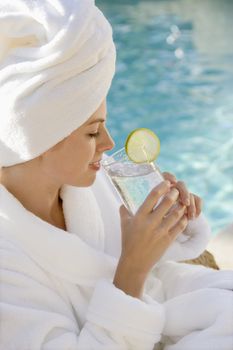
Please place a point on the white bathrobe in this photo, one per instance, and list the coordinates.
(56, 289)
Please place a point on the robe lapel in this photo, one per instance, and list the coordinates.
(66, 255)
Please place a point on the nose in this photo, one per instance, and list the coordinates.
(106, 142)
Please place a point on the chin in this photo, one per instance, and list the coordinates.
(91, 182)
(87, 182)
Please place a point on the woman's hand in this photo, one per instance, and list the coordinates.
(147, 235)
(192, 201)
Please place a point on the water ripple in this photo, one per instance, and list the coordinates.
(175, 76)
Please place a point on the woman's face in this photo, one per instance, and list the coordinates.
(68, 162)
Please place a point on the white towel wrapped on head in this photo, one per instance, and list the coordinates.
(57, 61)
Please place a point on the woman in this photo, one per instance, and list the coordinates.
(68, 280)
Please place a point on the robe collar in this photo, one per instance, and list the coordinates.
(68, 255)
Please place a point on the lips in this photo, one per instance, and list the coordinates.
(97, 161)
(95, 165)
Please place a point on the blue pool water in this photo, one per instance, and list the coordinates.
(175, 76)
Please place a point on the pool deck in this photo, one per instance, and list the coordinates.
(221, 246)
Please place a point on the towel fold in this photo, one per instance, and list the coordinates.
(57, 61)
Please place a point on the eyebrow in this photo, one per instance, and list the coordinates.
(97, 121)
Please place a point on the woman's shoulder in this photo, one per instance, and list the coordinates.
(15, 261)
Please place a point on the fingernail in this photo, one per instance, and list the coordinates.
(174, 190)
(168, 183)
(187, 202)
(181, 205)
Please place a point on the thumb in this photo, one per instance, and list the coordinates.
(124, 213)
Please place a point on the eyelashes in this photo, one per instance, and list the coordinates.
(94, 135)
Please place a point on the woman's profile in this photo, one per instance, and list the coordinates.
(77, 270)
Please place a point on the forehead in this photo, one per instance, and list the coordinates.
(98, 120)
(99, 116)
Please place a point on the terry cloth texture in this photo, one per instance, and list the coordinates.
(57, 290)
(57, 61)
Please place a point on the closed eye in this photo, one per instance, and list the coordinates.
(94, 135)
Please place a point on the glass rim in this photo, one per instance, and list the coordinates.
(111, 158)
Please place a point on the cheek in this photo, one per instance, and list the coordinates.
(73, 164)
(81, 155)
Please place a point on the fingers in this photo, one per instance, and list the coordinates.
(124, 213)
(198, 204)
(153, 198)
(191, 209)
(184, 193)
(165, 205)
(170, 177)
(193, 202)
(174, 216)
(178, 228)
(194, 209)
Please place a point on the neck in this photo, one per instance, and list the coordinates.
(36, 194)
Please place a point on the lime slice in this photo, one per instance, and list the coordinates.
(142, 145)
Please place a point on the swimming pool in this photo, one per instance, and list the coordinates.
(175, 76)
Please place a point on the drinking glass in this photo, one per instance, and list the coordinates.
(133, 181)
